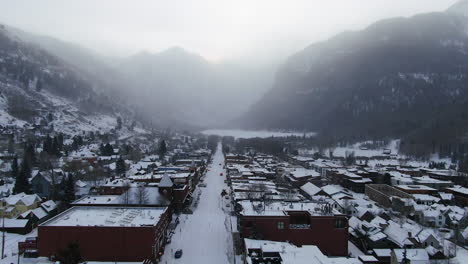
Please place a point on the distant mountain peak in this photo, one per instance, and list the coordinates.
(460, 7)
(176, 49)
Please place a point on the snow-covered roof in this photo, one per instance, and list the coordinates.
(303, 172)
(367, 258)
(250, 208)
(415, 255)
(310, 189)
(415, 187)
(108, 216)
(426, 198)
(27, 199)
(38, 212)
(49, 205)
(383, 252)
(166, 182)
(330, 190)
(15, 223)
(378, 221)
(291, 254)
(400, 233)
(377, 236)
(459, 189)
(54, 177)
(446, 196)
(80, 184)
(98, 199)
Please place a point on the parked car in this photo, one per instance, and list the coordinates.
(178, 254)
(202, 184)
(221, 174)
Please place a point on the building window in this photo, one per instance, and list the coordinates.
(340, 223)
(280, 225)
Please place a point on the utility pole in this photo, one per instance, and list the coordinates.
(3, 234)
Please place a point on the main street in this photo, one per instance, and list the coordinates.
(205, 235)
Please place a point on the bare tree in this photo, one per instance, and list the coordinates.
(126, 195)
(141, 195)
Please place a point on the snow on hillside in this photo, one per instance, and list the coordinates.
(5, 117)
(67, 118)
(361, 151)
(70, 120)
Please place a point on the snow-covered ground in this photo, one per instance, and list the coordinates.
(354, 251)
(462, 256)
(393, 146)
(11, 246)
(237, 133)
(205, 235)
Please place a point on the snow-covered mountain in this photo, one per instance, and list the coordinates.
(460, 8)
(183, 87)
(37, 87)
(401, 77)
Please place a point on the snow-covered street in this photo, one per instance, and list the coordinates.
(204, 236)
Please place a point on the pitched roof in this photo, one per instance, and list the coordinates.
(414, 254)
(16, 223)
(27, 199)
(310, 189)
(166, 182)
(38, 212)
(79, 183)
(49, 205)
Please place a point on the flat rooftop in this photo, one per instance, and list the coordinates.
(108, 216)
(415, 187)
(282, 208)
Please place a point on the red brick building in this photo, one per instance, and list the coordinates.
(298, 223)
(107, 233)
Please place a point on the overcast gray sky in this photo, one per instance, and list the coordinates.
(216, 29)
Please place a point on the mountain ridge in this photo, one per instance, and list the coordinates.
(386, 81)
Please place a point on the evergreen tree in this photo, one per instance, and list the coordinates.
(69, 190)
(47, 145)
(50, 117)
(60, 141)
(11, 145)
(22, 181)
(108, 150)
(55, 147)
(14, 168)
(102, 149)
(29, 155)
(119, 123)
(70, 255)
(162, 148)
(120, 167)
(39, 85)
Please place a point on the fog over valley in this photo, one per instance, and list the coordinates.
(234, 131)
(203, 66)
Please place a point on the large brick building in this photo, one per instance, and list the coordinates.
(298, 223)
(107, 233)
